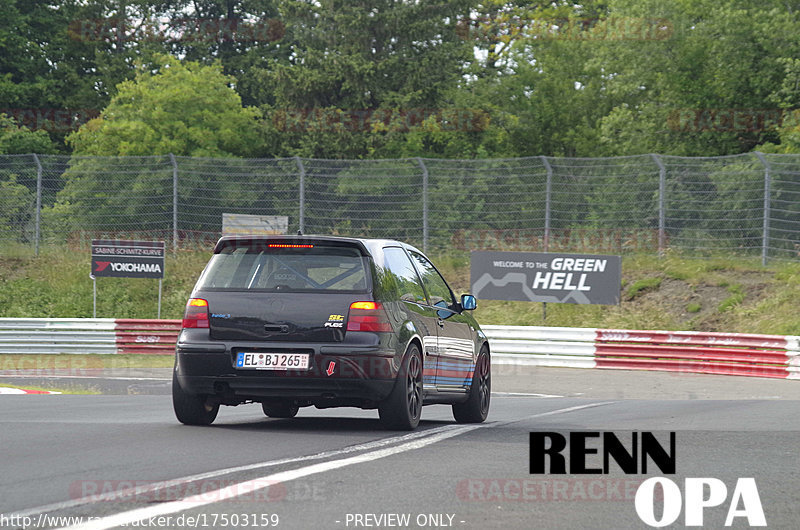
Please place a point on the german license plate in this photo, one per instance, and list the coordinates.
(272, 361)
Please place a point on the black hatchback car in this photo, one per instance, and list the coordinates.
(295, 321)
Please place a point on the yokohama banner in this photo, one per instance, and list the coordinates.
(127, 259)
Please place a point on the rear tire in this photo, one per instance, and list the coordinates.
(191, 409)
(280, 409)
(476, 408)
(402, 409)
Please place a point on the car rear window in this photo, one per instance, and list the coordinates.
(282, 268)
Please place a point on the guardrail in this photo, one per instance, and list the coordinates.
(744, 354)
(88, 335)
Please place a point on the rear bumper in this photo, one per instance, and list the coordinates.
(358, 373)
(231, 390)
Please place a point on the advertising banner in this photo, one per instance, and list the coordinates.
(127, 259)
(546, 277)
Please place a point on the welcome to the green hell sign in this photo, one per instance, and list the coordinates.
(546, 277)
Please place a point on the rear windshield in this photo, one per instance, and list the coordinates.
(326, 268)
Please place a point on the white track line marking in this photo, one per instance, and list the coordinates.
(37, 376)
(564, 411)
(524, 394)
(156, 486)
(19, 391)
(253, 485)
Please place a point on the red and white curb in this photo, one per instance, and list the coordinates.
(7, 390)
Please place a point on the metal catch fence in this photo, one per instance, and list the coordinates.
(746, 204)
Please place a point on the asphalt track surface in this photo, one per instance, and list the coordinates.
(79, 456)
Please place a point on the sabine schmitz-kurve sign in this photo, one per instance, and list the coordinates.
(127, 259)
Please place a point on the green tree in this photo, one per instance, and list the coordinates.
(787, 97)
(245, 36)
(16, 139)
(360, 72)
(677, 93)
(65, 59)
(183, 108)
(18, 176)
(539, 90)
(16, 205)
(186, 109)
(623, 77)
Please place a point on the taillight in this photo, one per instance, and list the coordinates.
(196, 314)
(368, 316)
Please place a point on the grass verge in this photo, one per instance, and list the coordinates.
(88, 364)
(673, 293)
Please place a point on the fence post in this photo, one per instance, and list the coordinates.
(301, 221)
(424, 204)
(767, 205)
(548, 191)
(174, 202)
(662, 192)
(38, 203)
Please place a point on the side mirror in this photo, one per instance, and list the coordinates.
(468, 302)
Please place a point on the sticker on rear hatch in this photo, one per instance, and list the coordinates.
(335, 321)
